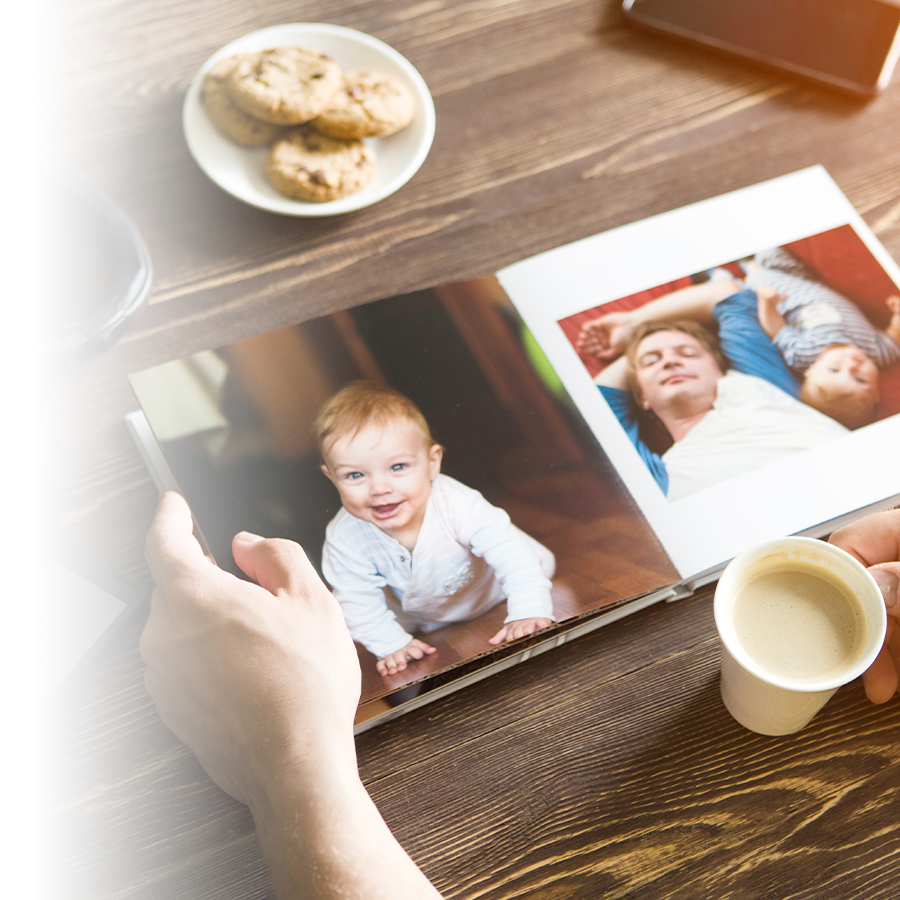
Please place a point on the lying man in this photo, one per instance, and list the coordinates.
(728, 406)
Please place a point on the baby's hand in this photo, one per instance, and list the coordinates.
(519, 628)
(893, 329)
(768, 296)
(396, 662)
(767, 299)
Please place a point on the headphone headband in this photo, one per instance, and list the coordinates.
(86, 208)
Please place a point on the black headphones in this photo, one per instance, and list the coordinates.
(87, 209)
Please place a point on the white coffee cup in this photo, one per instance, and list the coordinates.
(797, 618)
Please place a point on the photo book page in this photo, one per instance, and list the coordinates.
(764, 463)
(521, 520)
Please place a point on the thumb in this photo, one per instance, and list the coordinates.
(276, 565)
(887, 577)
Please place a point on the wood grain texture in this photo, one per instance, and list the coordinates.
(608, 768)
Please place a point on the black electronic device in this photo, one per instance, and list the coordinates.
(852, 45)
(87, 209)
(80, 602)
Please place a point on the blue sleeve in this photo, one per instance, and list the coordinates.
(746, 346)
(622, 405)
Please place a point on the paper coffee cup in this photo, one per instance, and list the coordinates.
(797, 618)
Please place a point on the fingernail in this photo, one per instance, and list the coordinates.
(246, 537)
(888, 583)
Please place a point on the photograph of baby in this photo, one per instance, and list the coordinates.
(425, 456)
(727, 370)
(378, 452)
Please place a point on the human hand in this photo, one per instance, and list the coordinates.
(875, 541)
(511, 631)
(607, 336)
(893, 328)
(257, 679)
(396, 662)
(767, 296)
(767, 300)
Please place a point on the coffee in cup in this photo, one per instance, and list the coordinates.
(797, 618)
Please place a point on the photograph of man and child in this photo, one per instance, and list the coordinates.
(747, 363)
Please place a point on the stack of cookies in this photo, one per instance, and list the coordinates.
(312, 115)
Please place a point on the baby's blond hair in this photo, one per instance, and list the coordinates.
(361, 403)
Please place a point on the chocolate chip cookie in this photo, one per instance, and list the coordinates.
(310, 166)
(284, 85)
(368, 104)
(226, 115)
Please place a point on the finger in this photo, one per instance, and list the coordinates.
(887, 577)
(395, 662)
(499, 637)
(873, 539)
(880, 679)
(388, 665)
(170, 541)
(276, 565)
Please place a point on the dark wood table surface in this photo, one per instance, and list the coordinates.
(608, 768)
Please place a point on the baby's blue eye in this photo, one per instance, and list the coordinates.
(398, 467)
(353, 476)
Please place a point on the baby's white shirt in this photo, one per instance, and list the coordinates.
(468, 558)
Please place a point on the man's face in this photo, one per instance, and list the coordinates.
(676, 372)
(384, 474)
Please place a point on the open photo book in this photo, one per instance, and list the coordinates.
(485, 470)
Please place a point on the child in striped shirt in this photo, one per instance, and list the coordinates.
(824, 336)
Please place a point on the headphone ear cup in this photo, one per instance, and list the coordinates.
(99, 218)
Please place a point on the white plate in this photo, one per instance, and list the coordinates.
(240, 170)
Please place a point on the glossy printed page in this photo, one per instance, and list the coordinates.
(749, 460)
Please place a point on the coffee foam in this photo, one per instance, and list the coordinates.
(796, 620)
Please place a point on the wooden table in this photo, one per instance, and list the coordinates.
(608, 769)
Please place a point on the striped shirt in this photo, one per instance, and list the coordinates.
(817, 316)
